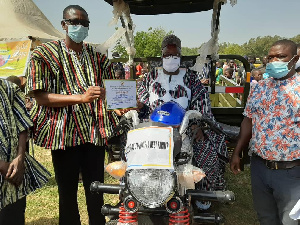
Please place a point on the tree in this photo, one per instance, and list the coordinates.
(120, 49)
(296, 39)
(231, 49)
(260, 46)
(147, 44)
(189, 51)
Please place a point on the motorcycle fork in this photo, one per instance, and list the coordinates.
(180, 218)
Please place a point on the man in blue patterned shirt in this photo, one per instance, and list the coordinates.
(272, 117)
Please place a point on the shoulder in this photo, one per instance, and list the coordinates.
(9, 88)
(47, 48)
(94, 50)
(152, 75)
(194, 82)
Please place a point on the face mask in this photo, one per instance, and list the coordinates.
(278, 69)
(171, 64)
(77, 32)
(297, 64)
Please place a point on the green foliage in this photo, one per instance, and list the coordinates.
(260, 46)
(296, 39)
(257, 47)
(120, 49)
(189, 51)
(148, 44)
(230, 49)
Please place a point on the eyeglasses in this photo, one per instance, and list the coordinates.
(84, 23)
(167, 56)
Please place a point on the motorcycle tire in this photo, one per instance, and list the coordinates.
(112, 222)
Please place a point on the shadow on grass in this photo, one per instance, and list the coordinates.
(44, 221)
(51, 182)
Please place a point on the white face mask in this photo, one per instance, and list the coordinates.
(297, 64)
(171, 64)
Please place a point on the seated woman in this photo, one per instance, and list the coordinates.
(172, 83)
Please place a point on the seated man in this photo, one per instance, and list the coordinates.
(172, 83)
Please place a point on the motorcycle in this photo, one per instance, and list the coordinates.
(157, 176)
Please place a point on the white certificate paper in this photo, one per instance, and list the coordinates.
(120, 94)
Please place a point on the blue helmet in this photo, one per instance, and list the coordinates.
(169, 113)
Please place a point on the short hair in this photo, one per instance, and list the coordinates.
(68, 8)
(230, 70)
(255, 70)
(171, 40)
(287, 43)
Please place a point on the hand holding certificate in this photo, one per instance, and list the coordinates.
(120, 94)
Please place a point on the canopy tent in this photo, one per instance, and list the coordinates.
(22, 18)
(123, 9)
(23, 27)
(154, 7)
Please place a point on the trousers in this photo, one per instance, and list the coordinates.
(89, 160)
(275, 193)
(14, 214)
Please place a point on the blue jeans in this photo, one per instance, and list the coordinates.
(275, 193)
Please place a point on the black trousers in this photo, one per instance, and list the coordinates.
(89, 159)
(14, 214)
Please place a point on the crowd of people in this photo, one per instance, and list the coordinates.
(236, 72)
(69, 117)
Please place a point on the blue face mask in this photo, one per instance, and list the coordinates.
(77, 32)
(278, 69)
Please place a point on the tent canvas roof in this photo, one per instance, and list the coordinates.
(22, 18)
(154, 7)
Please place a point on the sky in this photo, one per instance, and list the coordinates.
(247, 19)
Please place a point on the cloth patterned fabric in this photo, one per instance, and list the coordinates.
(274, 107)
(187, 90)
(15, 119)
(57, 69)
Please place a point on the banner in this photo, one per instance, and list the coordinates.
(14, 57)
(150, 148)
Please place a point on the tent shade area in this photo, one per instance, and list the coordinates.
(23, 27)
(154, 7)
(22, 18)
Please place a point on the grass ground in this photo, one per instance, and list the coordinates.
(42, 206)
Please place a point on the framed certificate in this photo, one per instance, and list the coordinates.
(120, 94)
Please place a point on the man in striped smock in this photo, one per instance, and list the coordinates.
(70, 118)
(20, 174)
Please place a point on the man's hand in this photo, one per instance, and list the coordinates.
(205, 81)
(92, 93)
(16, 169)
(235, 164)
(140, 105)
(121, 112)
(3, 167)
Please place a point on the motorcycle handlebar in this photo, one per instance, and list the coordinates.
(220, 196)
(97, 187)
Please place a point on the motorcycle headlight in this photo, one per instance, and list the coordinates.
(151, 187)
